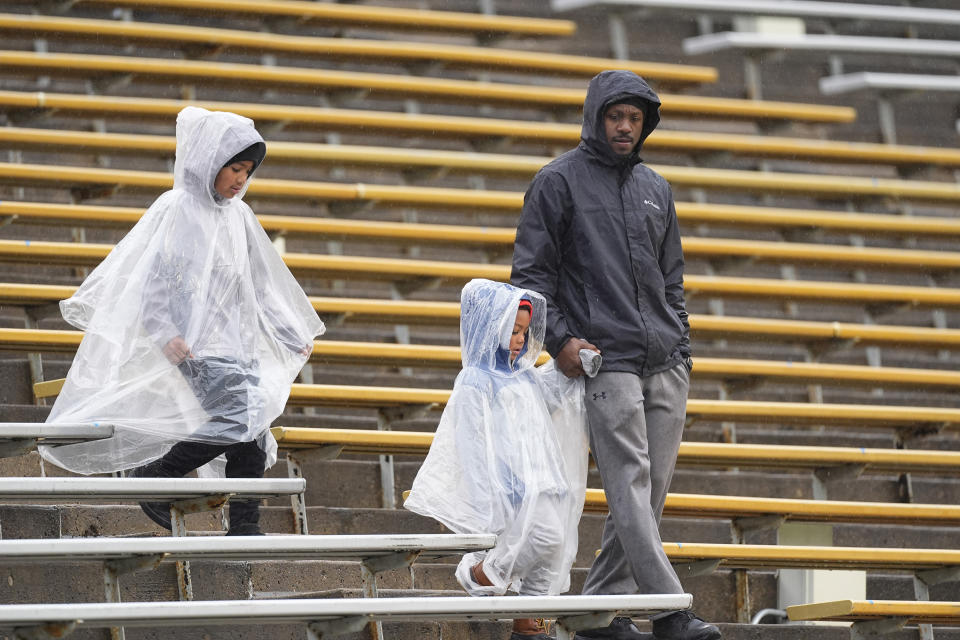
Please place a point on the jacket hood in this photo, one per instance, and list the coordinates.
(206, 140)
(607, 88)
(487, 313)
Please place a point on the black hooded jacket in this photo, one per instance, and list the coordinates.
(599, 239)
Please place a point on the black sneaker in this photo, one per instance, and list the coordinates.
(620, 628)
(245, 529)
(159, 512)
(683, 625)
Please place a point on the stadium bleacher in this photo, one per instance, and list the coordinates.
(822, 283)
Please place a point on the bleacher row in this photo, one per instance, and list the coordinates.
(399, 143)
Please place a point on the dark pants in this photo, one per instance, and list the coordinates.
(244, 460)
(220, 384)
(635, 429)
(221, 387)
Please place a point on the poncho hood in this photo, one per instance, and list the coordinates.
(202, 271)
(206, 140)
(608, 88)
(487, 313)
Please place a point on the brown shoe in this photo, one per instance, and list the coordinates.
(476, 572)
(529, 629)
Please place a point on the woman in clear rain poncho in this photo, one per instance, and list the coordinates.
(195, 328)
(499, 462)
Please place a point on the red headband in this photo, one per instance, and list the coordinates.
(526, 304)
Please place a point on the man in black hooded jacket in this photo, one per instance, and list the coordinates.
(599, 239)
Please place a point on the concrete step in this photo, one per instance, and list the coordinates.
(354, 481)
(900, 587)
(259, 579)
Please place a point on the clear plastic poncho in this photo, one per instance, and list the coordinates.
(201, 267)
(500, 463)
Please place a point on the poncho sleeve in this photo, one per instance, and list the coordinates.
(286, 312)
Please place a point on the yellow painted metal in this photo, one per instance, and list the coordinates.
(34, 294)
(863, 415)
(475, 198)
(806, 457)
(391, 194)
(355, 440)
(436, 355)
(690, 453)
(70, 253)
(48, 388)
(812, 510)
(513, 164)
(504, 236)
(439, 88)
(820, 253)
(715, 506)
(39, 339)
(814, 290)
(367, 15)
(821, 372)
(314, 117)
(447, 312)
(345, 351)
(800, 412)
(761, 109)
(917, 612)
(103, 214)
(465, 126)
(97, 215)
(729, 179)
(345, 395)
(407, 310)
(354, 48)
(499, 163)
(725, 214)
(758, 556)
(778, 146)
(393, 268)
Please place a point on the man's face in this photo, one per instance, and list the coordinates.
(623, 124)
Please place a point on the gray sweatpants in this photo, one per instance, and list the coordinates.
(635, 429)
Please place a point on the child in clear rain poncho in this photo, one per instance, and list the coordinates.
(195, 328)
(500, 462)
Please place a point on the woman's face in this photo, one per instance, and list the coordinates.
(230, 180)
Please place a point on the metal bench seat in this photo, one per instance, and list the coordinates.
(330, 617)
(731, 369)
(424, 88)
(793, 8)
(355, 14)
(375, 553)
(432, 312)
(872, 618)
(18, 438)
(179, 36)
(460, 127)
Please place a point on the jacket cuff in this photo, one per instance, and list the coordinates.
(559, 345)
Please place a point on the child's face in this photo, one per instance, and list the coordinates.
(230, 180)
(519, 335)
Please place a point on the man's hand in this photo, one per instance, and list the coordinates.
(568, 360)
(176, 351)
